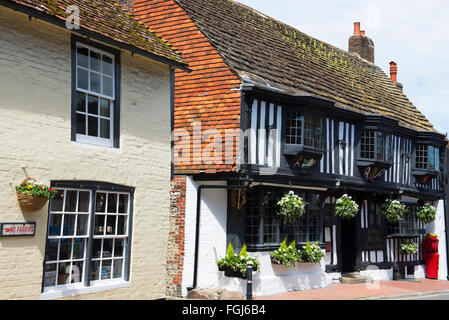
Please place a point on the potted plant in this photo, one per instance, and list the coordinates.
(393, 210)
(345, 207)
(33, 196)
(311, 253)
(291, 206)
(236, 265)
(426, 214)
(286, 255)
(408, 247)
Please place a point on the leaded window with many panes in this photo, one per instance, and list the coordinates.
(87, 238)
(263, 227)
(304, 129)
(427, 157)
(375, 145)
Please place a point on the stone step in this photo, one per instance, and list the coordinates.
(353, 277)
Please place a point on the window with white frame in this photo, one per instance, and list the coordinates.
(95, 95)
(88, 237)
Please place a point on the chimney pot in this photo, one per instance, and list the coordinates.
(362, 32)
(356, 28)
(393, 71)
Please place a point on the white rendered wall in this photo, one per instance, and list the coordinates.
(212, 246)
(438, 227)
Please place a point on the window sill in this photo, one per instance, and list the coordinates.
(94, 146)
(72, 290)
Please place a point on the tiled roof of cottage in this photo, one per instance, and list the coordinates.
(108, 19)
(264, 51)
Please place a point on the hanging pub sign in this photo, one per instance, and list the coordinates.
(17, 229)
(372, 172)
(304, 162)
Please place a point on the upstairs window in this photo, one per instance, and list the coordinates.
(427, 157)
(376, 146)
(95, 115)
(304, 129)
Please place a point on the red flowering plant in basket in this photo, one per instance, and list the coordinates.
(32, 196)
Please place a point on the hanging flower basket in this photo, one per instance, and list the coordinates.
(426, 214)
(408, 247)
(345, 207)
(291, 206)
(32, 196)
(393, 210)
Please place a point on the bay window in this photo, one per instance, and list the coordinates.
(88, 236)
(427, 158)
(376, 146)
(304, 129)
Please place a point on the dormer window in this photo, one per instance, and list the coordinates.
(376, 146)
(427, 158)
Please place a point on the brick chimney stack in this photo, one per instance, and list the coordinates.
(361, 44)
(127, 5)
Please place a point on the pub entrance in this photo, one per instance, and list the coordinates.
(348, 245)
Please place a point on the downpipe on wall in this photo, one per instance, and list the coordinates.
(198, 214)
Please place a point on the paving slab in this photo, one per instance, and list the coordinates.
(356, 291)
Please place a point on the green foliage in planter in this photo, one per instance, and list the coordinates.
(311, 253)
(408, 247)
(345, 207)
(37, 190)
(286, 255)
(237, 263)
(426, 214)
(393, 210)
(291, 206)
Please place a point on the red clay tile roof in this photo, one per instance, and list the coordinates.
(264, 51)
(107, 18)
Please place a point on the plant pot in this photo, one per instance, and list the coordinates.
(234, 274)
(30, 203)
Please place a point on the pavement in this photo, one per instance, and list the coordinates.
(360, 291)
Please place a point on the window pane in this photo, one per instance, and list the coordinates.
(81, 56)
(92, 125)
(110, 227)
(123, 203)
(81, 102)
(118, 267)
(95, 270)
(77, 272)
(83, 79)
(112, 202)
(83, 201)
(106, 269)
(107, 248)
(55, 225)
(107, 65)
(100, 204)
(105, 108)
(92, 105)
(80, 124)
(57, 202)
(96, 249)
(65, 249)
(121, 229)
(437, 159)
(95, 84)
(50, 275)
(99, 224)
(70, 201)
(63, 276)
(51, 253)
(431, 158)
(79, 246)
(69, 224)
(118, 247)
(95, 60)
(105, 129)
(107, 86)
(81, 225)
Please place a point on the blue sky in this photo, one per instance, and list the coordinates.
(412, 33)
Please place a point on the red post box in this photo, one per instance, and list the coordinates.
(430, 255)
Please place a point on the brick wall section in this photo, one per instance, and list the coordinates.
(176, 241)
(207, 94)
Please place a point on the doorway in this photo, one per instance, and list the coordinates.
(348, 245)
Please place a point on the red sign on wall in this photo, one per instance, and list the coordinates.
(16, 229)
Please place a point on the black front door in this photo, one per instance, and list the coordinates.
(348, 245)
